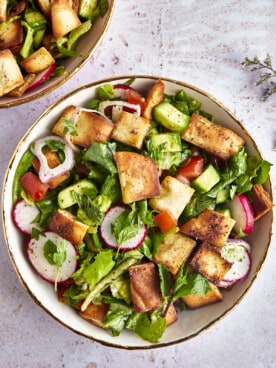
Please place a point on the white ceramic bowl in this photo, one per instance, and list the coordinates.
(86, 46)
(190, 323)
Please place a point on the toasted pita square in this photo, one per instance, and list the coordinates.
(10, 73)
(138, 176)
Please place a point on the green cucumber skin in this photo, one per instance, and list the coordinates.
(207, 179)
(169, 117)
(65, 198)
(171, 141)
(222, 196)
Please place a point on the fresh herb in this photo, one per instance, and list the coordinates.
(267, 76)
(69, 127)
(105, 92)
(149, 327)
(99, 268)
(185, 283)
(116, 317)
(55, 255)
(125, 227)
(102, 154)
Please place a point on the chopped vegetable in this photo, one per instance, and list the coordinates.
(53, 257)
(25, 216)
(242, 213)
(165, 221)
(34, 186)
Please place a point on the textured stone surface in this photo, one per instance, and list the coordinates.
(202, 43)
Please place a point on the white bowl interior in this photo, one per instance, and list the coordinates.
(190, 322)
(85, 47)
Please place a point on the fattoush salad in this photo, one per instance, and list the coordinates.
(137, 207)
(37, 35)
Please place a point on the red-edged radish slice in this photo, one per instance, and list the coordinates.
(42, 77)
(236, 242)
(35, 252)
(242, 213)
(106, 231)
(225, 284)
(24, 215)
(238, 253)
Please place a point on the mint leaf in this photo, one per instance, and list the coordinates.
(189, 283)
(55, 255)
(123, 227)
(102, 154)
(117, 317)
(165, 278)
(69, 127)
(148, 327)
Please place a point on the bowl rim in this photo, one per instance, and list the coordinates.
(67, 75)
(93, 85)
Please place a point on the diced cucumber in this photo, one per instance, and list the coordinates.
(171, 142)
(205, 181)
(66, 196)
(170, 117)
(224, 211)
(222, 196)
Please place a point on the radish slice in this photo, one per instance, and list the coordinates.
(42, 77)
(23, 215)
(225, 284)
(237, 252)
(106, 231)
(45, 172)
(35, 252)
(242, 213)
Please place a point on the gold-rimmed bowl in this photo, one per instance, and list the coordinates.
(86, 46)
(190, 323)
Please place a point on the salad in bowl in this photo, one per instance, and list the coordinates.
(137, 211)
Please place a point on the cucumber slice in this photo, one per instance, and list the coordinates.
(224, 211)
(207, 179)
(170, 117)
(171, 142)
(222, 196)
(66, 197)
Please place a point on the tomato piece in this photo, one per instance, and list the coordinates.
(136, 99)
(193, 168)
(165, 221)
(33, 186)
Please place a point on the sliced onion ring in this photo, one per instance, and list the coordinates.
(103, 105)
(45, 172)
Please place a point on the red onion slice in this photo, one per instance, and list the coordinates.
(105, 104)
(45, 172)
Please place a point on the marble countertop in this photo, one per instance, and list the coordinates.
(202, 43)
